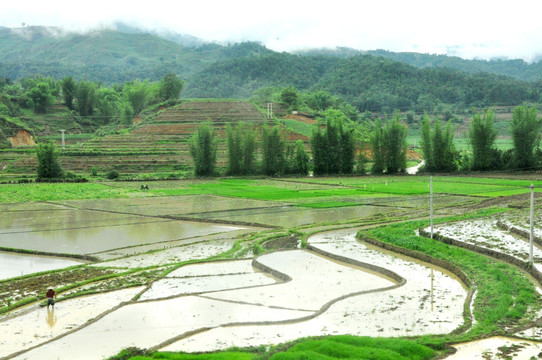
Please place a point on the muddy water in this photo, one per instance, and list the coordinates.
(173, 287)
(150, 323)
(200, 250)
(12, 264)
(38, 325)
(86, 232)
(208, 277)
(292, 216)
(497, 348)
(315, 282)
(431, 302)
(172, 205)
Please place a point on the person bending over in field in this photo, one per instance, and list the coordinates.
(50, 295)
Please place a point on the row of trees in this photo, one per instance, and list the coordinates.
(333, 150)
(389, 147)
(277, 157)
(440, 154)
(334, 147)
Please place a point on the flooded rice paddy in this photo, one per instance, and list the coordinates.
(36, 325)
(498, 347)
(13, 264)
(485, 233)
(85, 232)
(322, 297)
(273, 298)
(171, 205)
(245, 211)
(430, 302)
(292, 216)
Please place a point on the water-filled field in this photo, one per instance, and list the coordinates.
(69, 230)
(321, 297)
(190, 268)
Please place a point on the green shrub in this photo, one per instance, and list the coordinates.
(112, 175)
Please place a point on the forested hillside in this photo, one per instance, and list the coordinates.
(107, 56)
(369, 82)
(516, 68)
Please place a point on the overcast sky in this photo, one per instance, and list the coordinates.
(467, 28)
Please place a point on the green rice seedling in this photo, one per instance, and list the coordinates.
(211, 356)
(357, 348)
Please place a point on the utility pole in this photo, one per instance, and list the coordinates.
(269, 110)
(63, 143)
(531, 232)
(431, 204)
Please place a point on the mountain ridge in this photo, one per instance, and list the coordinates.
(134, 47)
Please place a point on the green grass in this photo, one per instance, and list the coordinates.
(297, 126)
(504, 142)
(352, 347)
(335, 347)
(463, 144)
(504, 293)
(13, 193)
(300, 190)
(419, 185)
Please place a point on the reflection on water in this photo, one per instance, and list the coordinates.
(36, 326)
(292, 216)
(173, 205)
(51, 317)
(86, 232)
(12, 264)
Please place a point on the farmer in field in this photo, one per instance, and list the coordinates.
(50, 295)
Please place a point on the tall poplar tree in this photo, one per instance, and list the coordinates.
(203, 147)
(273, 162)
(333, 148)
(482, 137)
(235, 153)
(377, 148)
(525, 135)
(241, 144)
(395, 145)
(438, 148)
(389, 147)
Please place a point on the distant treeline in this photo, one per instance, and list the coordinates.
(369, 83)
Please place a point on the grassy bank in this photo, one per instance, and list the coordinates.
(505, 296)
(335, 347)
(301, 190)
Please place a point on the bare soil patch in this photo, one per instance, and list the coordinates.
(281, 243)
(38, 285)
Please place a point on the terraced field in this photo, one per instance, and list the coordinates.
(156, 144)
(189, 266)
